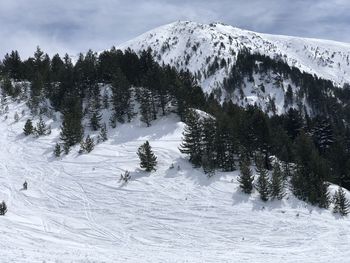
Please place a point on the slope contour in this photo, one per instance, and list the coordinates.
(75, 210)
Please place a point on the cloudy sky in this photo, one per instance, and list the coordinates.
(76, 25)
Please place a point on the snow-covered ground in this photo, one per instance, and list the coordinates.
(75, 210)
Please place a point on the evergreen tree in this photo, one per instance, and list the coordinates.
(41, 128)
(87, 146)
(146, 106)
(72, 129)
(7, 87)
(36, 94)
(308, 181)
(246, 177)
(28, 127)
(13, 66)
(103, 133)
(192, 138)
(95, 120)
(66, 148)
(57, 151)
(121, 99)
(147, 158)
(341, 203)
(288, 99)
(208, 145)
(277, 183)
(262, 184)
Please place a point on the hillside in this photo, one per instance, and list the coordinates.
(211, 51)
(75, 210)
(192, 208)
(194, 46)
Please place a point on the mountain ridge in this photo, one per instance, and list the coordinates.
(190, 45)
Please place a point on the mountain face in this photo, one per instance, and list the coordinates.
(210, 52)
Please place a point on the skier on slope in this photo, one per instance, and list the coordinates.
(25, 185)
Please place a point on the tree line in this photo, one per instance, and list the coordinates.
(126, 84)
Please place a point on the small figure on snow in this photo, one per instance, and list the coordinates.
(25, 185)
(3, 208)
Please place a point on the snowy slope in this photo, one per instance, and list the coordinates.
(75, 210)
(194, 46)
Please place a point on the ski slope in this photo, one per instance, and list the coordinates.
(75, 210)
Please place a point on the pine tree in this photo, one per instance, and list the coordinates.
(41, 128)
(7, 87)
(87, 145)
(28, 128)
(246, 177)
(72, 130)
(146, 107)
(121, 99)
(309, 180)
(341, 203)
(277, 182)
(66, 148)
(192, 138)
(57, 151)
(208, 145)
(262, 184)
(103, 133)
(95, 120)
(147, 158)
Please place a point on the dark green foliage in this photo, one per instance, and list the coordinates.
(246, 177)
(57, 151)
(103, 133)
(13, 66)
(121, 98)
(74, 91)
(95, 120)
(72, 129)
(341, 203)
(147, 108)
(192, 138)
(66, 148)
(308, 182)
(148, 160)
(3, 208)
(87, 145)
(41, 128)
(7, 87)
(262, 183)
(277, 183)
(208, 145)
(28, 127)
(288, 99)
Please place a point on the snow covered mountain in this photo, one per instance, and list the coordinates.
(193, 46)
(210, 51)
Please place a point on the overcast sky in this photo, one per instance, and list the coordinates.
(74, 26)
